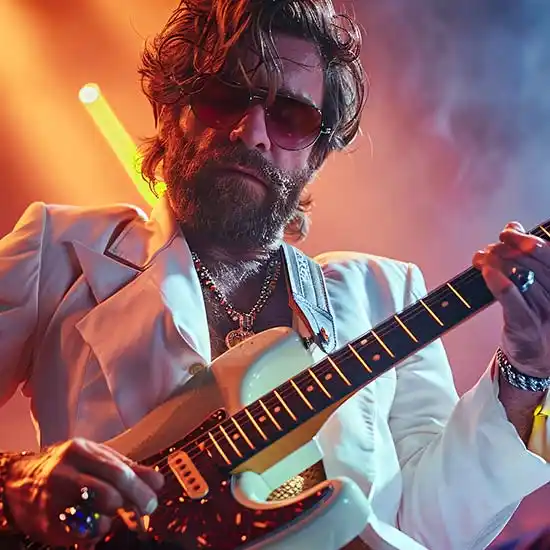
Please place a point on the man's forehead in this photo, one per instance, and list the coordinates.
(302, 69)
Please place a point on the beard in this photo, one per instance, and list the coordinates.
(223, 208)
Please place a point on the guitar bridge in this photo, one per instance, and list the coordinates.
(188, 475)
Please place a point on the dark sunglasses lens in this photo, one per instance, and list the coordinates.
(293, 124)
(218, 104)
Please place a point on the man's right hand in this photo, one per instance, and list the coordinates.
(40, 487)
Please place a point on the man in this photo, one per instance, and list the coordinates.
(105, 313)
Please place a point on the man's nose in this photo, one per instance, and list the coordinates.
(252, 129)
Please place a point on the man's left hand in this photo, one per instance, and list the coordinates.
(526, 332)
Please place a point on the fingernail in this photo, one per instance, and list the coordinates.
(152, 506)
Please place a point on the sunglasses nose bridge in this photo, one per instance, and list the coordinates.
(252, 127)
(256, 98)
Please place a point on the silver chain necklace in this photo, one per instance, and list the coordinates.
(245, 320)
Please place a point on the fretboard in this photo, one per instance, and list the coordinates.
(352, 367)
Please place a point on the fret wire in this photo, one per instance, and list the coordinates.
(429, 310)
(470, 276)
(283, 403)
(314, 376)
(271, 417)
(301, 394)
(386, 348)
(256, 425)
(360, 359)
(219, 449)
(231, 442)
(406, 329)
(338, 371)
(459, 296)
(243, 434)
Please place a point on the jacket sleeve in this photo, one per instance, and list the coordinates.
(464, 467)
(20, 262)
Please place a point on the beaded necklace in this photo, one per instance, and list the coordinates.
(245, 320)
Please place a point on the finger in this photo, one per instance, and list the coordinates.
(489, 257)
(504, 258)
(95, 460)
(496, 273)
(518, 316)
(515, 225)
(538, 298)
(516, 239)
(66, 484)
(495, 278)
(136, 490)
(542, 253)
(504, 251)
(65, 492)
(151, 476)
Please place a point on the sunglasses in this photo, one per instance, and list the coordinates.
(292, 124)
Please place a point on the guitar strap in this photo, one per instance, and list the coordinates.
(309, 297)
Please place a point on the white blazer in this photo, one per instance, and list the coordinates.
(102, 316)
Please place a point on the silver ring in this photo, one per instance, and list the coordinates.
(522, 278)
(81, 520)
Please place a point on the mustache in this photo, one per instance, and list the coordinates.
(250, 158)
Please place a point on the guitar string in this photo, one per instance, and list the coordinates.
(406, 316)
(324, 367)
(303, 378)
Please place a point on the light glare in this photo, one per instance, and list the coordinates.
(89, 93)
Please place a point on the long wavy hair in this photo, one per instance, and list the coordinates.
(201, 39)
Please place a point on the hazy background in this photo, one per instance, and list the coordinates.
(458, 126)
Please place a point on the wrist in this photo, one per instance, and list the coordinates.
(7, 523)
(520, 400)
(518, 379)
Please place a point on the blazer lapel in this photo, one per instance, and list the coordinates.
(149, 326)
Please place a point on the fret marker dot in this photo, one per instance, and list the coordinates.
(277, 409)
(236, 436)
(262, 419)
(364, 342)
(309, 389)
(328, 376)
(445, 303)
(376, 357)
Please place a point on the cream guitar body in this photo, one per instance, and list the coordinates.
(336, 510)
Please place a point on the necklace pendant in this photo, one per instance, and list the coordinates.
(237, 336)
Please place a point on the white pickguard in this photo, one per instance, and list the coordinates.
(234, 380)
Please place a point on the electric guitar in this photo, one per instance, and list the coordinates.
(263, 402)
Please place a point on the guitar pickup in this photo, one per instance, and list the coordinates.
(188, 475)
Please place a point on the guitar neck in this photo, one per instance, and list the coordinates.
(353, 366)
